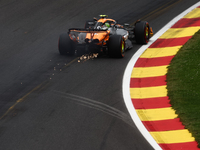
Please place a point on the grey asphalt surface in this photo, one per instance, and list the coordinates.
(49, 101)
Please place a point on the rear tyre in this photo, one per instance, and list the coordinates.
(142, 32)
(65, 45)
(116, 46)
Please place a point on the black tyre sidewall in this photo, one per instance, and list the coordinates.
(115, 46)
(65, 45)
(140, 32)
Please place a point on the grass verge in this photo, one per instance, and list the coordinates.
(183, 84)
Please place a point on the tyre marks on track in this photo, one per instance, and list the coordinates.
(97, 106)
(148, 85)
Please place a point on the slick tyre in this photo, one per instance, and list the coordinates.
(142, 32)
(116, 46)
(65, 45)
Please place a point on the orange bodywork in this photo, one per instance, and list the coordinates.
(103, 20)
(151, 31)
(90, 35)
(101, 36)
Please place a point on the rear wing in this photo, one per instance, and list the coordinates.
(88, 30)
(82, 36)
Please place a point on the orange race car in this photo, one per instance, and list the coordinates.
(105, 36)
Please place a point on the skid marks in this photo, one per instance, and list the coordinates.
(97, 106)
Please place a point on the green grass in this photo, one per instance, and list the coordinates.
(183, 84)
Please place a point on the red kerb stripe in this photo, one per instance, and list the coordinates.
(186, 22)
(151, 103)
(151, 62)
(170, 42)
(180, 146)
(163, 125)
(148, 82)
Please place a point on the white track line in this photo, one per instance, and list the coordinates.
(127, 77)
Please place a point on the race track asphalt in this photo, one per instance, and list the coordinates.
(48, 101)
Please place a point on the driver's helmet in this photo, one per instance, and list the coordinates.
(107, 24)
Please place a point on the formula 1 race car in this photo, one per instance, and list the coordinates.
(105, 36)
